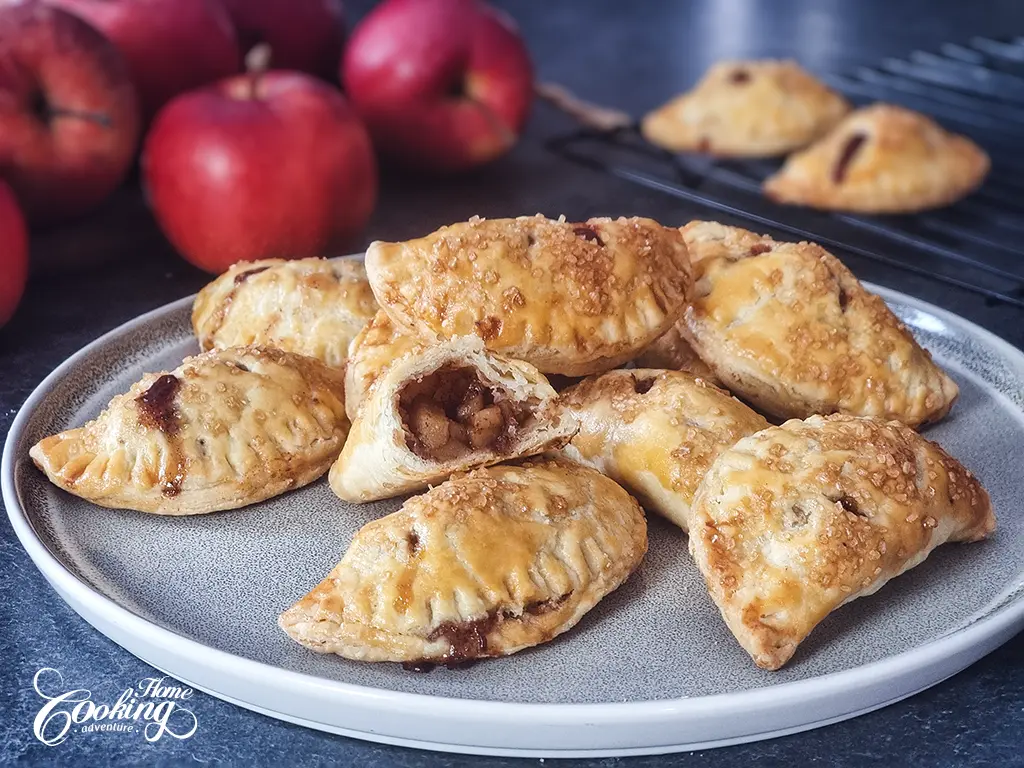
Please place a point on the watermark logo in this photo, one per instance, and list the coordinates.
(149, 707)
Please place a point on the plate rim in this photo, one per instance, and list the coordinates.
(1004, 620)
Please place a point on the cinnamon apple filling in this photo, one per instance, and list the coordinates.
(453, 412)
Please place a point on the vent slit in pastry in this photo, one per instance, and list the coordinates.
(795, 521)
(853, 144)
(225, 429)
(495, 570)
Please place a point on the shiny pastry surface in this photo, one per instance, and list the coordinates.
(794, 521)
(486, 564)
(568, 298)
(225, 429)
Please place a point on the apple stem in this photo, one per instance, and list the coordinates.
(257, 61)
(590, 115)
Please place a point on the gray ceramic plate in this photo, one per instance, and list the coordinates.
(651, 669)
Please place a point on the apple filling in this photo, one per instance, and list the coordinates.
(451, 413)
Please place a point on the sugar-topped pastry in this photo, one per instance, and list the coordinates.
(797, 520)
(789, 329)
(747, 109)
(881, 159)
(311, 307)
(224, 429)
(442, 408)
(568, 298)
(655, 432)
(484, 565)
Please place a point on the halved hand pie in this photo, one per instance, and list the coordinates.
(445, 408)
(225, 429)
(484, 565)
(568, 298)
(655, 432)
(311, 306)
(789, 329)
(747, 108)
(793, 522)
(378, 345)
(881, 159)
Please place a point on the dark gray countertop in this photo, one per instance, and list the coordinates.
(628, 55)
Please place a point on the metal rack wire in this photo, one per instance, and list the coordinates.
(977, 244)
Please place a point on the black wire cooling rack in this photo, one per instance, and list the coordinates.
(977, 244)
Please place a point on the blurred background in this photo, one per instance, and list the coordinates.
(117, 191)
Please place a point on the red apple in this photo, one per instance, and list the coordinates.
(441, 84)
(69, 120)
(306, 35)
(259, 166)
(171, 45)
(13, 254)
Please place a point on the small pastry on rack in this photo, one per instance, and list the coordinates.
(568, 298)
(311, 307)
(224, 429)
(443, 408)
(881, 159)
(655, 432)
(789, 329)
(747, 109)
(484, 565)
(797, 520)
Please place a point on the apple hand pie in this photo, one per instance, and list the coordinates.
(881, 159)
(441, 409)
(795, 521)
(656, 433)
(568, 298)
(672, 352)
(487, 564)
(311, 307)
(225, 429)
(378, 345)
(789, 329)
(747, 109)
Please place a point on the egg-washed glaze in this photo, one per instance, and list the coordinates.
(484, 565)
(789, 329)
(312, 307)
(225, 429)
(794, 521)
(569, 298)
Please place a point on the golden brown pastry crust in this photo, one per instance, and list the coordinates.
(484, 565)
(225, 429)
(380, 458)
(747, 109)
(672, 352)
(311, 307)
(568, 298)
(378, 345)
(656, 433)
(881, 159)
(797, 520)
(789, 329)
